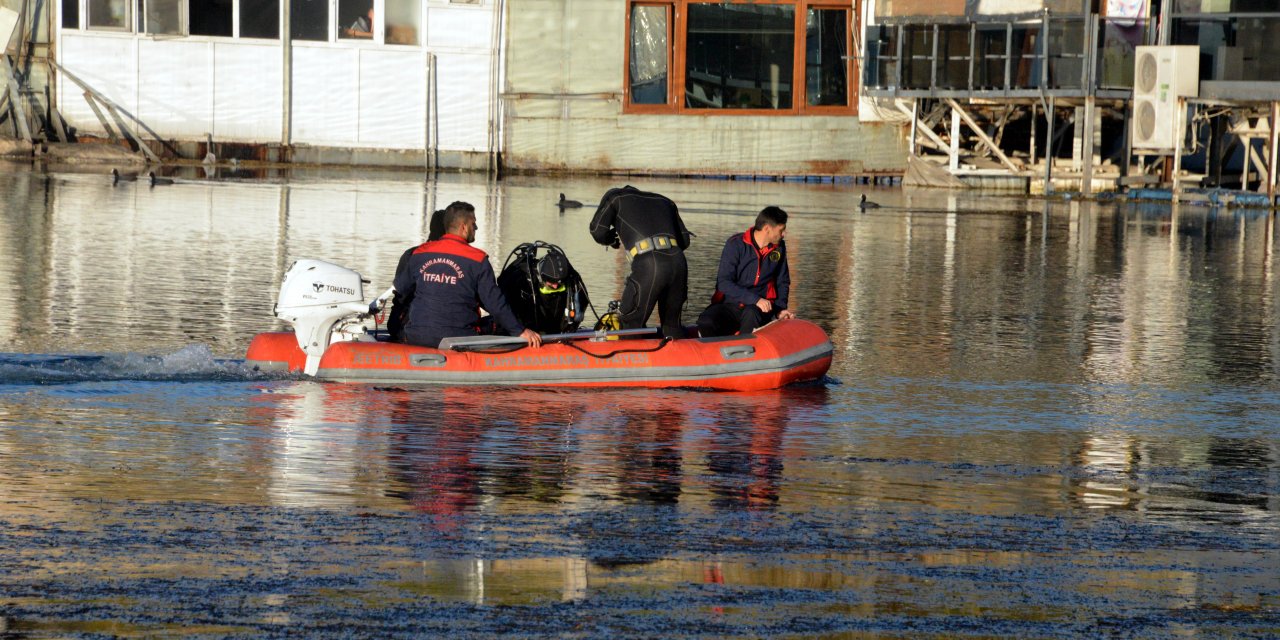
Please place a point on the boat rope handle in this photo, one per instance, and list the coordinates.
(611, 354)
(605, 356)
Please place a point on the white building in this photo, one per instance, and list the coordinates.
(752, 87)
(331, 91)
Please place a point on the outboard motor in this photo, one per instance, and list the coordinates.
(322, 300)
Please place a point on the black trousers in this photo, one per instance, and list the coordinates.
(658, 278)
(727, 318)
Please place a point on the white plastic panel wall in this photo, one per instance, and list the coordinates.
(247, 95)
(393, 89)
(464, 101)
(325, 95)
(469, 27)
(175, 86)
(108, 64)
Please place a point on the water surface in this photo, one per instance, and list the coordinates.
(1044, 419)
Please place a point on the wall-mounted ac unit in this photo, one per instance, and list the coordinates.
(1161, 75)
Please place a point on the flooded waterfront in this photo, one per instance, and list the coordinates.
(1044, 419)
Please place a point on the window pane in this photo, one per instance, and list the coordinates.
(1065, 39)
(825, 59)
(404, 21)
(309, 20)
(882, 56)
(109, 13)
(917, 54)
(649, 52)
(210, 17)
(70, 14)
(164, 16)
(739, 56)
(953, 56)
(990, 52)
(355, 19)
(1025, 57)
(260, 19)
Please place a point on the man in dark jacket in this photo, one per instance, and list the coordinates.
(648, 227)
(448, 281)
(753, 281)
(400, 302)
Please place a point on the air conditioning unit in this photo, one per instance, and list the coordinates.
(1161, 75)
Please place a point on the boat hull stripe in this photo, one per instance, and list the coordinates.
(611, 375)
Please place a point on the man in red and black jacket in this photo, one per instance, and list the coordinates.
(400, 302)
(447, 282)
(753, 281)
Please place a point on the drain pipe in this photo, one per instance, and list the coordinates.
(496, 67)
(431, 150)
(286, 78)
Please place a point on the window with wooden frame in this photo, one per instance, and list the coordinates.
(750, 57)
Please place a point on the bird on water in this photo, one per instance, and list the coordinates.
(864, 203)
(117, 177)
(568, 204)
(156, 180)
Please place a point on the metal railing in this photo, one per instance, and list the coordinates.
(1233, 46)
(1051, 55)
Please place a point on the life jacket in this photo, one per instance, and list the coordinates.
(543, 289)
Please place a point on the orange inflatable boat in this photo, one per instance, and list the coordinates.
(329, 344)
(779, 354)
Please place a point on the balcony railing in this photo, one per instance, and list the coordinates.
(1240, 47)
(1070, 55)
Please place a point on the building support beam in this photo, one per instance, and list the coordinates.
(16, 110)
(1273, 154)
(1257, 160)
(955, 141)
(1049, 113)
(116, 110)
(1086, 147)
(102, 119)
(1175, 174)
(982, 135)
(918, 125)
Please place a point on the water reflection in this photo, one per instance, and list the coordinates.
(649, 452)
(455, 450)
(744, 455)
(1043, 408)
(935, 283)
(1214, 480)
(319, 444)
(435, 452)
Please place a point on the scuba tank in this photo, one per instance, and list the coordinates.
(612, 319)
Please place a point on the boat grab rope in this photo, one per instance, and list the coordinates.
(606, 356)
(602, 356)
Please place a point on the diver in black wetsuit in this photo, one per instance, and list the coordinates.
(648, 227)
